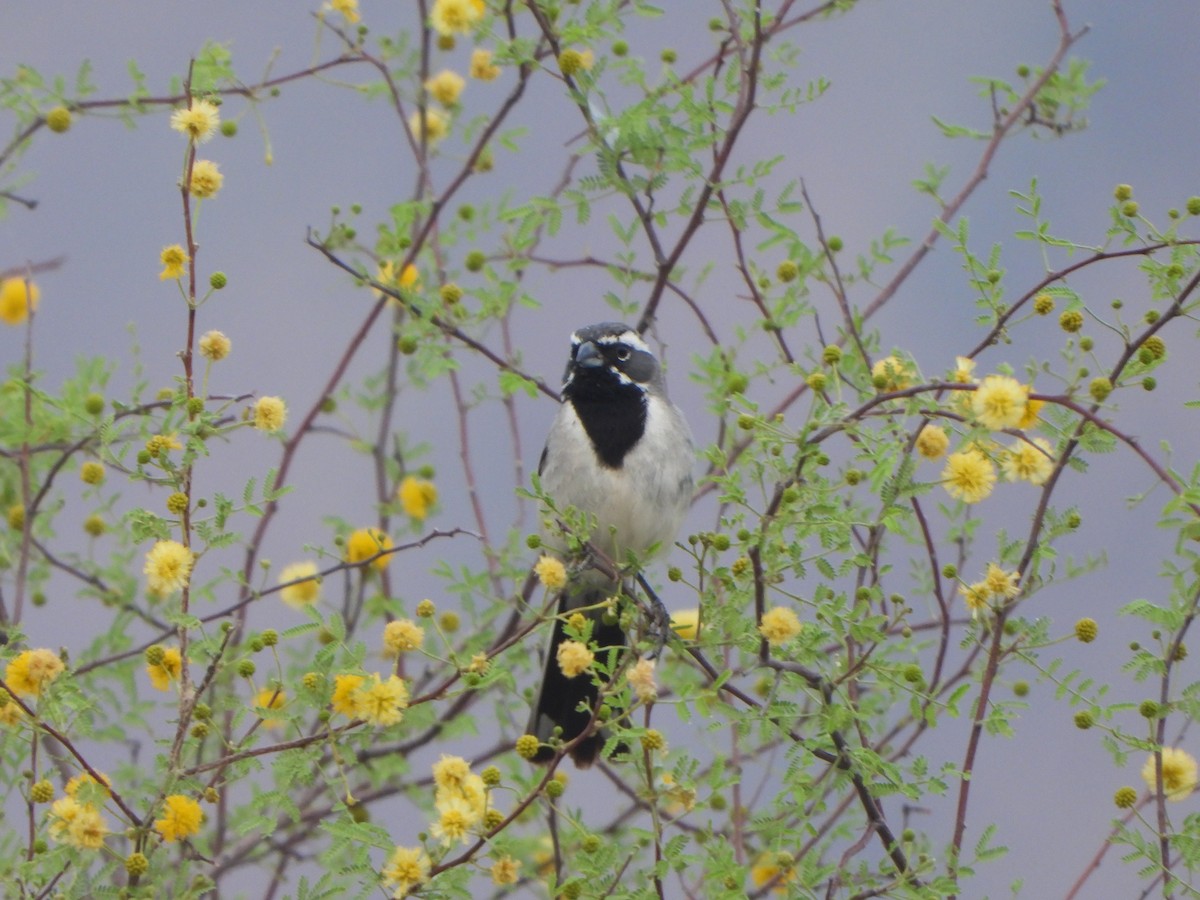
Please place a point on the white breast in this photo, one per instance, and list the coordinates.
(640, 505)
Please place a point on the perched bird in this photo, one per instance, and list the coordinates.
(620, 453)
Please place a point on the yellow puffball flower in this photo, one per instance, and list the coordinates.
(686, 623)
(270, 698)
(206, 179)
(482, 68)
(641, 679)
(1031, 461)
(766, 869)
(890, 374)
(270, 413)
(1001, 584)
(382, 702)
(455, 822)
(407, 868)
(417, 496)
(303, 593)
(932, 442)
(964, 370)
(975, 596)
(77, 824)
(450, 17)
(31, 671)
(402, 635)
(451, 772)
(365, 543)
(445, 87)
(166, 670)
(348, 9)
(85, 778)
(18, 298)
(10, 714)
(215, 346)
(551, 573)
(198, 122)
(168, 567)
(506, 870)
(1029, 418)
(181, 818)
(433, 127)
(1178, 773)
(1000, 402)
(174, 261)
(969, 476)
(779, 625)
(346, 694)
(574, 658)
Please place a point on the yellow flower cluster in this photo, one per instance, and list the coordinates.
(999, 402)
(686, 623)
(551, 573)
(348, 9)
(969, 475)
(32, 671)
(271, 698)
(461, 799)
(378, 701)
(891, 374)
(482, 68)
(1028, 460)
(997, 584)
(166, 670)
(407, 868)
(206, 179)
(417, 496)
(173, 260)
(198, 121)
(1179, 773)
(402, 635)
(269, 414)
(365, 543)
(932, 442)
(81, 825)
(574, 658)
(779, 625)
(302, 593)
(168, 567)
(182, 817)
(430, 127)
(445, 87)
(641, 679)
(451, 17)
(18, 298)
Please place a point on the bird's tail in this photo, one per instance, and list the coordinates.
(570, 703)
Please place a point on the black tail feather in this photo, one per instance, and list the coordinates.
(559, 701)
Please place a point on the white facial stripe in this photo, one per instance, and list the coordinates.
(629, 338)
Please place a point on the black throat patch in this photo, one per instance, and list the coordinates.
(613, 415)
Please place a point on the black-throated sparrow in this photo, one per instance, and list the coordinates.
(621, 453)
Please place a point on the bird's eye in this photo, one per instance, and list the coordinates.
(623, 353)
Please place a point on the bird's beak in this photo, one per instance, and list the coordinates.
(588, 356)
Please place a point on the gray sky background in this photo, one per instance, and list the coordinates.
(106, 199)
